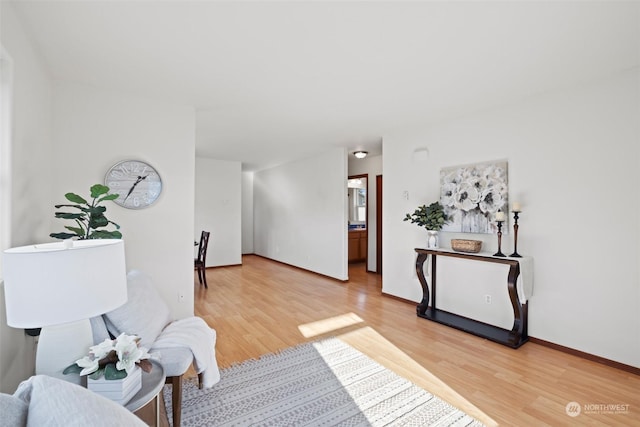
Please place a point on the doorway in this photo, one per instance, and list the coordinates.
(358, 202)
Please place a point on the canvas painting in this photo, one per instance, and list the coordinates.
(472, 194)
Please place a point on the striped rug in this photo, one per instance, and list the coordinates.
(322, 383)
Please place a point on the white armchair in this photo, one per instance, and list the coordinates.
(175, 344)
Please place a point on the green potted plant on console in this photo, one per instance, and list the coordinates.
(432, 218)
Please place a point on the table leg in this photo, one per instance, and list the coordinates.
(424, 304)
(518, 331)
(421, 309)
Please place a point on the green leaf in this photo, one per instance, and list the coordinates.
(63, 236)
(68, 215)
(96, 209)
(72, 369)
(97, 374)
(111, 373)
(69, 206)
(98, 190)
(79, 231)
(104, 234)
(97, 221)
(109, 197)
(72, 197)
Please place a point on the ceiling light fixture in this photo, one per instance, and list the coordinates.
(360, 154)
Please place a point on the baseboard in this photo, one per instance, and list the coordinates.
(581, 354)
(222, 266)
(300, 268)
(397, 298)
(588, 356)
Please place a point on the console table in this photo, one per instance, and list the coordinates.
(515, 337)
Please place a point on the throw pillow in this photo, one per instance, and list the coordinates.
(145, 313)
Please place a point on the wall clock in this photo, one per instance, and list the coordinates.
(138, 184)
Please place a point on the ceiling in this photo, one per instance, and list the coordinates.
(275, 81)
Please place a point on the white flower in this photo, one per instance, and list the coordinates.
(494, 172)
(499, 187)
(467, 197)
(101, 350)
(448, 194)
(492, 200)
(128, 352)
(88, 364)
(124, 351)
(479, 183)
(462, 175)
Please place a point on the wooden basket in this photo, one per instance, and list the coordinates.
(464, 245)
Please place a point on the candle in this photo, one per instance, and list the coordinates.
(500, 216)
(516, 207)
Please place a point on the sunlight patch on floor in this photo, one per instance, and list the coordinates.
(368, 341)
(330, 324)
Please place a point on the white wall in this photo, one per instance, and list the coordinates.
(573, 160)
(300, 213)
(30, 181)
(94, 129)
(218, 210)
(247, 212)
(371, 165)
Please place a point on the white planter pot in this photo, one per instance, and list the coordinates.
(432, 239)
(120, 391)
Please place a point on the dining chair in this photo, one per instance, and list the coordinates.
(200, 261)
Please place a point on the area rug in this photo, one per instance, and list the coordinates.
(322, 383)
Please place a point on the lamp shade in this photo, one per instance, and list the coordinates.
(55, 283)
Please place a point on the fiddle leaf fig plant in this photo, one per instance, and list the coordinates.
(431, 217)
(89, 217)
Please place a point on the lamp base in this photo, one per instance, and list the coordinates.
(60, 346)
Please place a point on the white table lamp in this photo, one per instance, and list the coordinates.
(59, 287)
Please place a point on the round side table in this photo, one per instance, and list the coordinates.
(152, 383)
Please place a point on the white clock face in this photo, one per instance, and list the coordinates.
(137, 183)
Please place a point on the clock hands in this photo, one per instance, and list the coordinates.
(140, 178)
(138, 183)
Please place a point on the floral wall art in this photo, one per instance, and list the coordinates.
(472, 194)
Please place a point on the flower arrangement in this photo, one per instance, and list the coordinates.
(112, 358)
(472, 195)
(431, 217)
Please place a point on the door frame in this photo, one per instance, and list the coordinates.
(366, 215)
(378, 224)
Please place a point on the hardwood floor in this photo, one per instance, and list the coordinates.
(264, 306)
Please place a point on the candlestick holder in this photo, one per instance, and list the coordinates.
(515, 253)
(499, 253)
